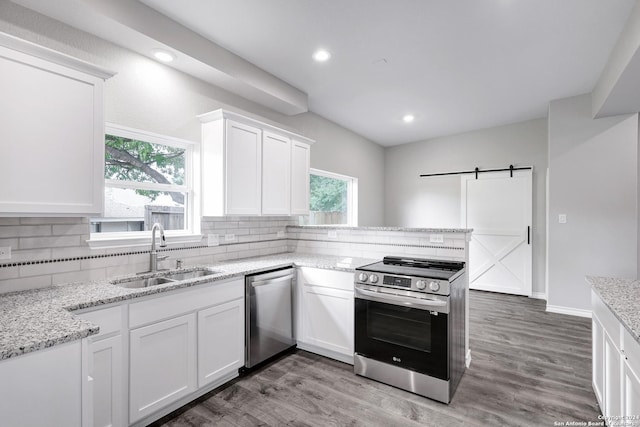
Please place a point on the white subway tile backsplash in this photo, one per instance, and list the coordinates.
(48, 242)
(82, 229)
(48, 268)
(25, 231)
(25, 283)
(9, 273)
(51, 220)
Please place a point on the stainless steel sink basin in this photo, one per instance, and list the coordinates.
(142, 283)
(189, 274)
(168, 277)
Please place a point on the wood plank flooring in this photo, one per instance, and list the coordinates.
(529, 368)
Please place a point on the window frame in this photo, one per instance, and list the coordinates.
(191, 232)
(352, 196)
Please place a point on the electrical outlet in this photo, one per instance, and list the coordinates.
(333, 234)
(280, 234)
(213, 240)
(562, 218)
(229, 237)
(436, 238)
(5, 252)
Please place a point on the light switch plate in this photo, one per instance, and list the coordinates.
(562, 218)
(213, 240)
(333, 234)
(5, 252)
(436, 238)
(280, 234)
(229, 237)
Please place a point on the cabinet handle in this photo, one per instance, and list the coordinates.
(528, 234)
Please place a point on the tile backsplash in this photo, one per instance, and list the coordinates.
(50, 251)
(377, 242)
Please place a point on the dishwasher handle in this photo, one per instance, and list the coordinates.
(272, 280)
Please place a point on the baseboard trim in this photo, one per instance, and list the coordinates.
(568, 310)
(539, 295)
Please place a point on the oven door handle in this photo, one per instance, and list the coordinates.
(422, 304)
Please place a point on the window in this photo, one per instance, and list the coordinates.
(333, 199)
(148, 179)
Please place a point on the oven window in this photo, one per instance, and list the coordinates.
(401, 326)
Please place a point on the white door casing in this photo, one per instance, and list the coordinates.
(498, 207)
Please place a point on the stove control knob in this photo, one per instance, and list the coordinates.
(363, 277)
(421, 284)
(373, 278)
(434, 286)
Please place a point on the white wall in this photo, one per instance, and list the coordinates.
(150, 96)
(435, 201)
(593, 175)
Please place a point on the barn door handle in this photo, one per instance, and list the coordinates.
(528, 234)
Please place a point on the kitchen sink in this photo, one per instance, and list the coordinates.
(189, 274)
(142, 283)
(169, 277)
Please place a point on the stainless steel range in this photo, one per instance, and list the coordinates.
(409, 324)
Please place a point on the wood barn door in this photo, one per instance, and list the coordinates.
(499, 209)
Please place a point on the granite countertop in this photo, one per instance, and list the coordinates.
(41, 318)
(422, 230)
(622, 296)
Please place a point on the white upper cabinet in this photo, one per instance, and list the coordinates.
(252, 168)
(300, 165)
(51, 132)
(276, 174)
(243, 164)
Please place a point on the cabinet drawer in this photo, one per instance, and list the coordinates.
(178, 302)
(327, 278)
(108, 319)
(631, 351)
(608, 320)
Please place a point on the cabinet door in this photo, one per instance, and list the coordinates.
(300, 164)
(243, 169)
(162, 365)
(52, 133)
(597, 343)
(631, 385)
(42, 388)
(106, 371)
(327, 318)
(612, 378)
(220, 341)
(276, 174)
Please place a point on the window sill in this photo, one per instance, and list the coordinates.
(131, 241)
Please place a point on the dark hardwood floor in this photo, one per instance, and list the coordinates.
(529, 368)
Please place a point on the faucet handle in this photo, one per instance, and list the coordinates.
(162, 257)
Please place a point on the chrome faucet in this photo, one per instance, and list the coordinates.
(163, 243)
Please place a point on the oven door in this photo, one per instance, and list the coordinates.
(402, 331)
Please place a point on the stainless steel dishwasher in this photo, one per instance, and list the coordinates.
(269, 312)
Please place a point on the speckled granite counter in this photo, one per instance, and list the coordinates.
(38, 319)
(622, 296)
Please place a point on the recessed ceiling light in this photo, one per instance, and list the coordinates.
(408, 118)
(321, 55)
(163, 55)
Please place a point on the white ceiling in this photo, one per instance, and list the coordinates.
(457, 65)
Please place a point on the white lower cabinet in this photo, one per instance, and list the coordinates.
(324, 317)
(42, 388)
(616, 364)
(162, 364)
(220, 341)
(630, 377)
(107, 376)
(104, 393)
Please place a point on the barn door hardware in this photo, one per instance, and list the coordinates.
(477, 171)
